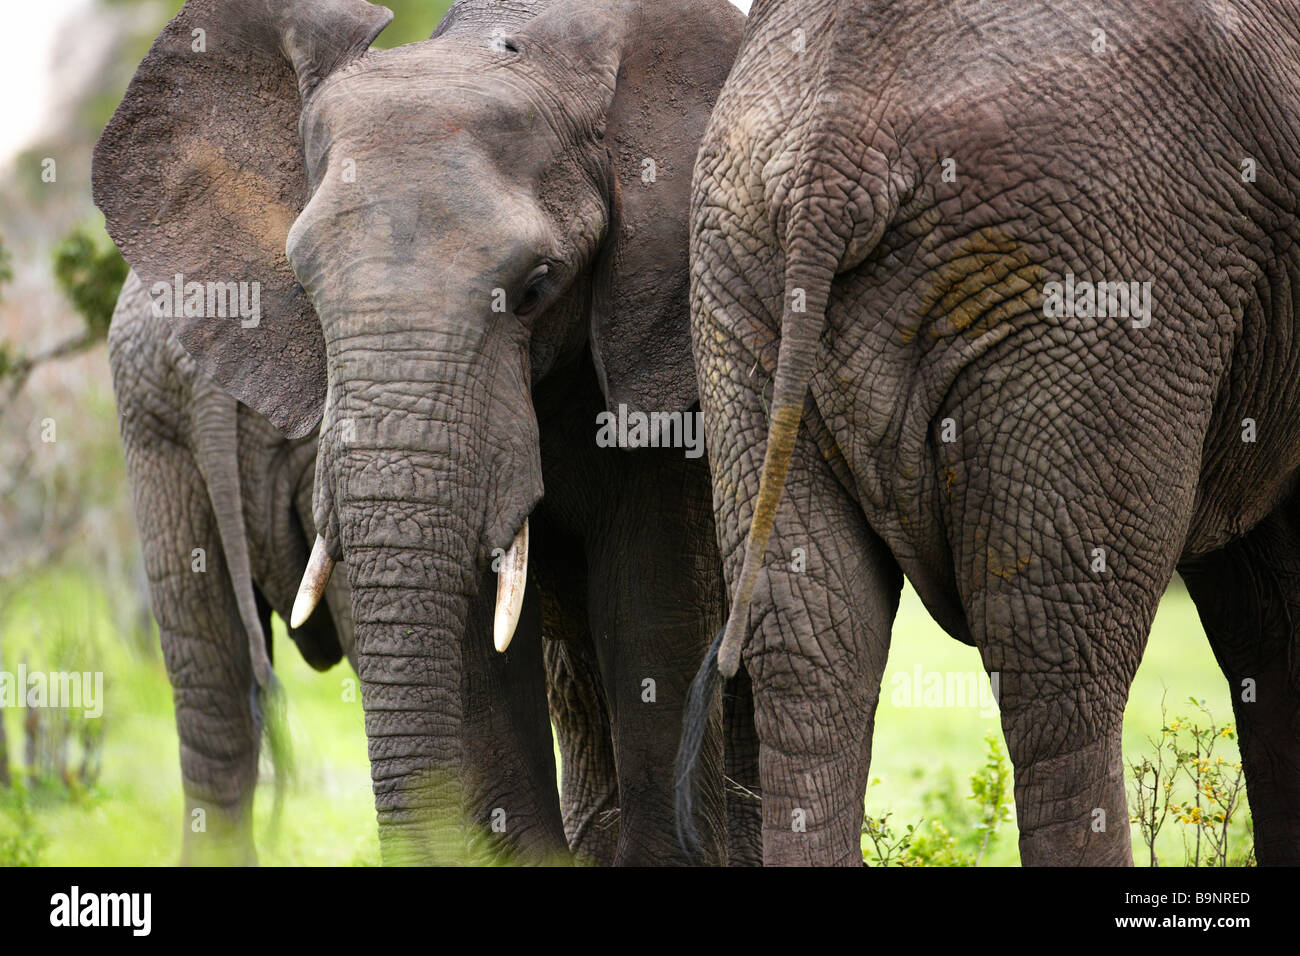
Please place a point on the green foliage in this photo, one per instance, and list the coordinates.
(63, 746)
(990, 789)
(978, 816)
(1189, 782)
(22, 839)
(888, 847)
(90, 272)
(133, 814)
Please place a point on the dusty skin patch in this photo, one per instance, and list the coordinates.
(987, 280)
(245, 197)
(1008, 572)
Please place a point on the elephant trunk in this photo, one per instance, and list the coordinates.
(424, 476)
(411, 576)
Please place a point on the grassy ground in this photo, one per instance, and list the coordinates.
(923, 758)
(132, 816)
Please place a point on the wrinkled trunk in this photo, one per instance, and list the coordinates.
(409, 566)
(422, 469)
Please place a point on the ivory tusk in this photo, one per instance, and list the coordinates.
(314, 579)
(511, 580)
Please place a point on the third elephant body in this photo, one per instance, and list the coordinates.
(886, 221)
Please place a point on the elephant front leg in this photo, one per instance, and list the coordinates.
(655, 603)
(509, 754)
(589, 792)
(575, 695)
(205, 651)
(218, 741)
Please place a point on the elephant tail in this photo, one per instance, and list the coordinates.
(810, 269)
(216, 417)
(695, 720)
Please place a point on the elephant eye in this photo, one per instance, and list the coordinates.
(534, 287)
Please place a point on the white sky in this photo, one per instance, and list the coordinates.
(26, 67)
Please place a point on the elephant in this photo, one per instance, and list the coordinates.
(222, 503)
(454, 257)
(903, 214)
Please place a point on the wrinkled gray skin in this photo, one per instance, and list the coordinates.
(209, 474)
(821, 177)
(413, 189)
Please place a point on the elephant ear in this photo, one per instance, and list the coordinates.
(666, 60)
(200, 175)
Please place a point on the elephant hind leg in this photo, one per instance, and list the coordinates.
(1061, 634)
(821, 621)
(1248, 596)
(1060, 578)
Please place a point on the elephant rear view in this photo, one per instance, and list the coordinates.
(1003, 296)
(465, 250)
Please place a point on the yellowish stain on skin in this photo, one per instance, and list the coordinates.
(1008, 572)
(990, 278)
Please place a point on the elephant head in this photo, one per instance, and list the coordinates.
(431, 231)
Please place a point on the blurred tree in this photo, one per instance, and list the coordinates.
(6, 270)
(90, 271)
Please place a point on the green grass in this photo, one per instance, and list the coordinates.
(133, 815)
(923, 756)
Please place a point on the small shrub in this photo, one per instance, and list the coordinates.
(1188, 781)
(931, 842)
(22, 841)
